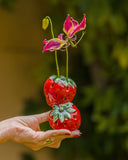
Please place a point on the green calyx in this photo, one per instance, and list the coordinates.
(62, 111)
(65, 81)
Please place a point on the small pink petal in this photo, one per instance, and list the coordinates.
(68, 25)
(45, 41)
(79, 27)
(61, 36)
(53, 44)
(75, 23)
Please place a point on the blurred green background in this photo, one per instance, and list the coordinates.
(99, 66)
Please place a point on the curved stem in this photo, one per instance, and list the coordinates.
(66, 62)
(56, 59)
(80, 38)
(51, 26)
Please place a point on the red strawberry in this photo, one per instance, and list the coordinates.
(59, 90)
(65, 116)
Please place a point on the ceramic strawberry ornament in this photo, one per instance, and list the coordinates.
(60, 90)
(66, 116)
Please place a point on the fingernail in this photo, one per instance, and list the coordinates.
(77, 136)
(67, 134)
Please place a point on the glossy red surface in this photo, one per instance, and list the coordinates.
(58, 93)
(70, 124)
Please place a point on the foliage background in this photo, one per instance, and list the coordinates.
(99, 66)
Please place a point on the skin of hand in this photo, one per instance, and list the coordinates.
(26, 130)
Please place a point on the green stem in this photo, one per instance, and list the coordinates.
(51, 26)
(66, 62)
(80, 38)
(56, 59)
(57, 66)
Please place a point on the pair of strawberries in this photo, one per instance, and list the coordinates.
(59, 90)
(59, 93)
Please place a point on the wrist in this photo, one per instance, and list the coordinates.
(5, 130)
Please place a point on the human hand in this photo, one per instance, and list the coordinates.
(26, 130)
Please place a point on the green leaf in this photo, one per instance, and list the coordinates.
(63, 78)
(71, 82)
(67, 105)
(53, 77)
(57, 80)
(67, 115)
(61, 117)
(72, 44)
(53, 112)
(55, 106)
(64, 83)
(70, 110)
(55, 117)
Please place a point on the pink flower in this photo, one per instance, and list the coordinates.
(71, 26)
(53, 44)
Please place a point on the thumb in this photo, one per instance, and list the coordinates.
(43, 117)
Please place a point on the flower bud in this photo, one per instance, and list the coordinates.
(45, 23)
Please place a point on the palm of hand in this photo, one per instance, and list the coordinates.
(27, 131)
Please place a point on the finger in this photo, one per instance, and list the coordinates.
(73, 134)
(52, 133)
(33, 147)
(55, 136)
(38, 128)
(55, 145)
(43, 117)
(58, 132)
